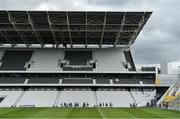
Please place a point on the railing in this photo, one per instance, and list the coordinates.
(166, 93)
(174, 104)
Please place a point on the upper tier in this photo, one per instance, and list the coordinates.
(110, 59)
(70, 29)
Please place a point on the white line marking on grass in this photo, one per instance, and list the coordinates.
(101, 113)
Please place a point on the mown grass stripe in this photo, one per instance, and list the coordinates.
(87, 113)
(101, 113)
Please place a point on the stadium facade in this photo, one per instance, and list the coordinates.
(67, 59)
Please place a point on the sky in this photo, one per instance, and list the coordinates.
(159, 41)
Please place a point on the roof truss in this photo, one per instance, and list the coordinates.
(71, 28)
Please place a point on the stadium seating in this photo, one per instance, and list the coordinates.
(110, 60)
(133, 81)
(54, 64)
(49, 98)
(78, 57)
(140, 96)
(117, 98)
(10, 97)
(144, 97)
(41, 80)
(38, 99)
(102, 81)
(150, 81)
(10, 80)
(125, 81)
(77, 68)
(15, 60)
(77, 97)
(77, 81)
(46, 60)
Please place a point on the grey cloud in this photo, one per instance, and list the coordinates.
(154, 47)
(117, 2)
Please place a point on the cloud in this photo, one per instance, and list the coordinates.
(158, 41)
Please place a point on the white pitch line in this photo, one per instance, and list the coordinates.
(101, 113)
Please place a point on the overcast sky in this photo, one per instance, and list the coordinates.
(158, 41)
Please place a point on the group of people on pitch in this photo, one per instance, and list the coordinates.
(76, 104)
(84, 104)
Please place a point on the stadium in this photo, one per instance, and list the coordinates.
(64, 64)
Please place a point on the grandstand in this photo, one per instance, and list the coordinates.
(67, 59)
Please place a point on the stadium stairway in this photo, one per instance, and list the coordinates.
(19, 98)
(57, 99)
(165, 94)
(116, 98)
(77, 97)
(133, 97)
(171, 94)
(143, 97)
(95, 96)
(33, 98)
(10, 98)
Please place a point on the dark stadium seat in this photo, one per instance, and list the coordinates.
(125, 81)
(133, 81)
(78, 57)
(77, 69)
(9, 80)
(15, 60)
(77, 81)
(148, 81)
(43, 80)
(102, 81)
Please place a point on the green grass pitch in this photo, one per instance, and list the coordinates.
(101, 113)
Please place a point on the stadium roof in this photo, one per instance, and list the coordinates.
(71, 28)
